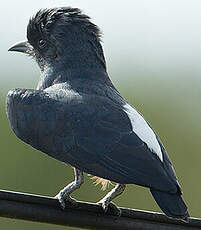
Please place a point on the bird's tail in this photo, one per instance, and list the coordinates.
(171, 204)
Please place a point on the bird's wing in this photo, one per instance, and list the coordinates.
(94, 134)
(40, 121)
(115, 142)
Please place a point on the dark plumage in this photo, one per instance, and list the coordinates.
(78, 117)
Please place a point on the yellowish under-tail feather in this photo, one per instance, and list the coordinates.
(105, 183)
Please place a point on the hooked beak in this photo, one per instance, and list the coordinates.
(23, 47)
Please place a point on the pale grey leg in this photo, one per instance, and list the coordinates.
(106, 201)
(64, 194)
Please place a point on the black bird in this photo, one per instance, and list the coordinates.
(77, 116)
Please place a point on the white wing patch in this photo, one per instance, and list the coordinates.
(143, 130)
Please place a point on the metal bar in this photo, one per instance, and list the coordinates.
(85, 215)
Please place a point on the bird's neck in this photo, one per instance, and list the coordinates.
(50, 76)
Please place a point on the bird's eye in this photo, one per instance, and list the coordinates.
(42, 43)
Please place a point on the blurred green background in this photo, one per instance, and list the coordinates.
(153, 52)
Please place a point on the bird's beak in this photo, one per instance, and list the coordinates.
(23, 47)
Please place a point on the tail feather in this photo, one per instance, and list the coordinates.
(171, 204)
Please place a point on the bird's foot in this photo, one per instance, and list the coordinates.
(65, 199)
(64, 195)
(109, 207)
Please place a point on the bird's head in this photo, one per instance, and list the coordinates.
(61, 37)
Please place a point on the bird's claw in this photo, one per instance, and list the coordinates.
(63, 199)
(104, 205)
(109, 207)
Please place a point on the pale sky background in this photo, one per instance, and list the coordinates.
(140, 37)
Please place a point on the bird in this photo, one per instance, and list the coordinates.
(77, 116)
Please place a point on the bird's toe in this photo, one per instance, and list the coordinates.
(114, 210)
(65, 200)
(104, 206)
(110, 208)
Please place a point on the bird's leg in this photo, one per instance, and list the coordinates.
(105, 202)
(64, 194)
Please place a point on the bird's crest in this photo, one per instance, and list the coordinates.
(44, 19)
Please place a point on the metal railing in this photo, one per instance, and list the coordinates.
(85, 215)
